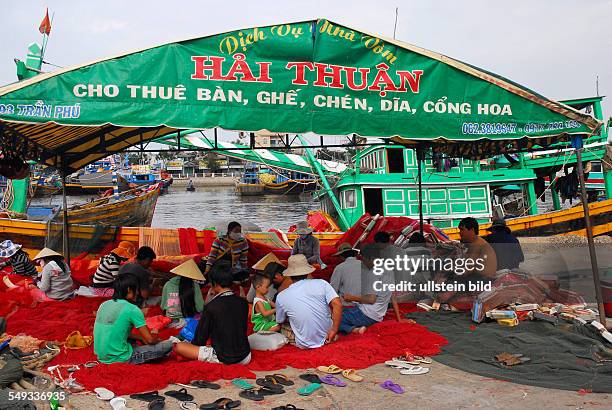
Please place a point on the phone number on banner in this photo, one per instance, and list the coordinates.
(488, 128)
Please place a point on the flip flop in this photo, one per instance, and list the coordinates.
(148, 396)
(423, 359)
(222, 403)
(269, 382)
(415, 370)
(104, 394)
(286, 407)
(308, 390)
(352, 375)
(180, 395)
(254, 395)
(203, 384)
(243, 384)
(389, 385)
(267, 392)
(282, 379)
(189, 405)
(333, 380)
(408, 358)
(118, 403)
(310, 377)
(331, 369)
(157, 404)
(399, 364)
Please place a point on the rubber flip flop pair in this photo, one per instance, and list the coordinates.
(395, 388)
(415, 370)
(414, 359)
(286, 407)
(309, 389)
(270, 383)
(148, 396)
(333, 380)
(280, 379)
(259, 394)
(180, 395)
(221, 404)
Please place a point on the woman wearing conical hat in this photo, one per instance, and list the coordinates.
(54, 282)
(181, 296)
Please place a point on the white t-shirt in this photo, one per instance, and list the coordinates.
(378, 309)
(306, 305)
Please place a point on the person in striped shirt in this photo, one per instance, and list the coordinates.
(108, 269)
(12, 255)
(232, 247)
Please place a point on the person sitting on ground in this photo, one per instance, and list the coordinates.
(347, 274)
(12, 255)
(507, 248)
(181, 296)
(373, 305)
(54, 281)
(417, 249)
(477, 248)
(108, 269)
(115, 320)
(306, 244)
(262, 316)
(232, 247)
(223, 321)
(271, 267)
(311, 306)
(141, 268)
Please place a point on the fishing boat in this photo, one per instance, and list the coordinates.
(129, 209)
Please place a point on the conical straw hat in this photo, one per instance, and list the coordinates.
(46, 252)
(188, 269)
(263, 262)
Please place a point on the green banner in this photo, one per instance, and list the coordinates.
(314, 76)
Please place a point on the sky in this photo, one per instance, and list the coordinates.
(555, 47)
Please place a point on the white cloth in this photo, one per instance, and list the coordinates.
(347, 278)
(378, 309)
(306, 305)
(207, 354)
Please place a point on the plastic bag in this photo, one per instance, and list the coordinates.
(267, 341)
(188, 332)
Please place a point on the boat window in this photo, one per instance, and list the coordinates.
(395, 161)
(596, 166)
(348, 199)
(373, 200)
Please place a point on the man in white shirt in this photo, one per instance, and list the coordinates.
(373, 304)
(347, 274)
(311, 306)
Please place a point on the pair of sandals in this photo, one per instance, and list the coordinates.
(270, 385)
(410, 364)
(155, 400)
(350, 374)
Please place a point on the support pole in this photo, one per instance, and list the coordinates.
(608, 183)
(419, 155)
(577, 144)
(66, 237)
(553, 192)
(532, 198)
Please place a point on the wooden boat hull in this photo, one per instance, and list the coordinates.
(249, 189)
(565, 222)
(289, 187)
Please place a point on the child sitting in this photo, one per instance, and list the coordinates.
(262, 315)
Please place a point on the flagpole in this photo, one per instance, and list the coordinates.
(45, 41)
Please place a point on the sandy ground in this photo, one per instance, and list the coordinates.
(442, 388)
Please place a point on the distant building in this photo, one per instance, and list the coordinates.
(273, 140)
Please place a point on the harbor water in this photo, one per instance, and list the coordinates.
(207, 205)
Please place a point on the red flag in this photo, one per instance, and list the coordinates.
(45, 25)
